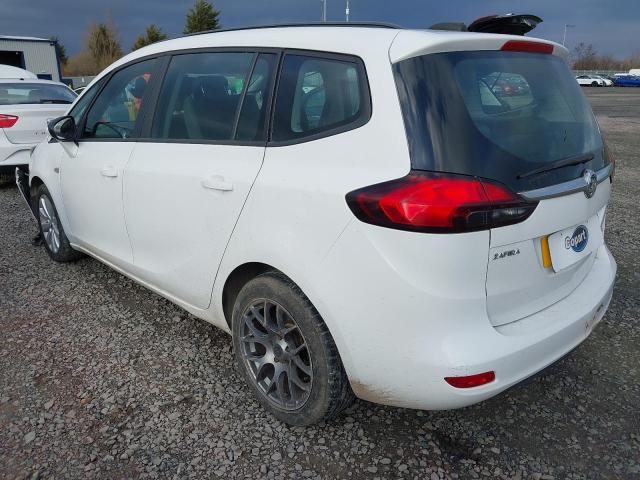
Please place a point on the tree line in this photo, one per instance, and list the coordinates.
(585, 57)
(103, 47)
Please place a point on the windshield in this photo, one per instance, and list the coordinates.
(497, 115)
(31, 93)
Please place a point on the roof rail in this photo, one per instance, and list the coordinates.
(307, 24)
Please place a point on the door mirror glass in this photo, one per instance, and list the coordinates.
(63, 128)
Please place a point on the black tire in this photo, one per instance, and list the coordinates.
(64, 253)
(330, 392)
(594, 84)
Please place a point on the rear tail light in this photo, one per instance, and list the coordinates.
(438, 203)
(527, 46)
(7, 121)
(471, 381)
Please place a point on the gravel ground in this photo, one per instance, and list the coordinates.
(101, 378)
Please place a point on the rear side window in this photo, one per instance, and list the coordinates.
(319, 96)
(201, 95)
(497, 115)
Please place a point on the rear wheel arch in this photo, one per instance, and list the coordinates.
(33, 188)
(237, 279)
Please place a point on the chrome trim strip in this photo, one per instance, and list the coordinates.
(565, 188)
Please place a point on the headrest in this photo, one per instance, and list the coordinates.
(139, 87)
(212, 86)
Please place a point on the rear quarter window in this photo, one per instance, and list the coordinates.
(319, 97)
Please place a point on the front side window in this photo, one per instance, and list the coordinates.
(200, 96)
(34, 93)
(116, 110)
(317, 95)
(84, 101)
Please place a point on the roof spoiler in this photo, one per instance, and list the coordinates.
(508, 24)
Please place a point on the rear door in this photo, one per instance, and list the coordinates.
(187, 181)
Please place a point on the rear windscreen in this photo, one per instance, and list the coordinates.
(497, 115)
(31, 93)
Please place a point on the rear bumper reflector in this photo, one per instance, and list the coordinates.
(471, 381)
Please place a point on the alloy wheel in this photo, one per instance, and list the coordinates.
(276, 354)
(49, 224)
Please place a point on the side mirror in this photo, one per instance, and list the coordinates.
(63, 129)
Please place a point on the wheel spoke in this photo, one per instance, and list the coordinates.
(306, 369)
(295, 378)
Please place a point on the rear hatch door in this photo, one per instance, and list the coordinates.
(515, 116)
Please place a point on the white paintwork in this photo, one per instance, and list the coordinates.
(405, 309)
(182, 202)
(10, 72)
(591, 81)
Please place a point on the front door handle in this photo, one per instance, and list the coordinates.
(109, 171)
(217, 182)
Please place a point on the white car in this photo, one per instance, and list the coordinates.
(354, 204)
(592, 81)
(607, 81)
(26, 103)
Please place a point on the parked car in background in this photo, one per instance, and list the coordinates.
(590, 81)
(26, 104)
(353, 203)
(627, 81)
(607, 81)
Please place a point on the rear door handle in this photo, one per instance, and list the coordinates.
(109, 171)
(217, 182)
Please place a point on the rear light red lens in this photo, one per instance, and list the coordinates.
(471, 381)
(526, 46)
(7, 121)
(438, 203)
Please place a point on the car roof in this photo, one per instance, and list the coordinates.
(363, 40)
(8, 71)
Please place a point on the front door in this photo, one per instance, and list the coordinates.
(92, 172)
(186, 184)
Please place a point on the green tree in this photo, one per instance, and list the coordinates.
(60, 51)
(201, 17)
(153, 34)
(103, 45)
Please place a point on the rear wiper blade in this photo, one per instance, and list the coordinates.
(563, 162)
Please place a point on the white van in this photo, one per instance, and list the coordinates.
(413, 217)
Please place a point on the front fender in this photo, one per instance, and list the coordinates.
(44, 167)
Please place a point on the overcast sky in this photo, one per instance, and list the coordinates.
(613, 26)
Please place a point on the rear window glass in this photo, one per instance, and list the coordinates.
(496, 115)
(318, 95)
(200, 96)
(34, 93)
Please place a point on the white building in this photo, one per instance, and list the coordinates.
(38, 55)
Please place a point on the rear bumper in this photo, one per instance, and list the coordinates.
(399, 338)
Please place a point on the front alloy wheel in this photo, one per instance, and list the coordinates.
(49, 224)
